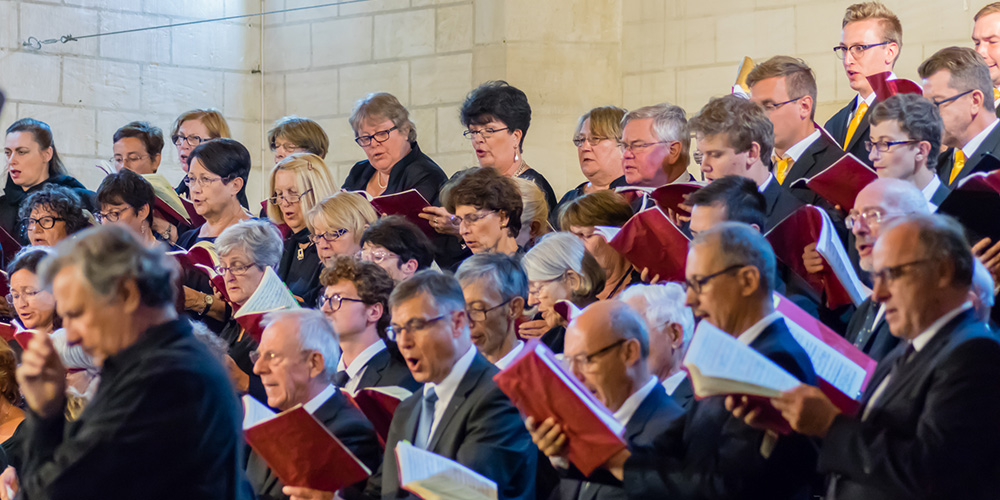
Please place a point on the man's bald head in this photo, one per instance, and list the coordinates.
(612, 320)
(893, 195)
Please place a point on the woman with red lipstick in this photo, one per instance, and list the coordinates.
(488, 207)
(596, 139)
(298, 183)
(32, 162)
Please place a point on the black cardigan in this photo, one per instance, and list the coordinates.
(414, 171)
(13, 197)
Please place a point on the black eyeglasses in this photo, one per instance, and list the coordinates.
(889, 274)
(289, 198)
(773, 106)
(379, 137)
(415, 324)
(329, 237)
(42, 222)
(335, 301)
(855, 50)
(191, 140)
(952, 98)
(588, 359)
(885, 146)
(696, 284)
(485, 133)
(480, 314)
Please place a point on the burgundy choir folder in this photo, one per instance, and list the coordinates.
(541, 387)
(409, 204)
(976, 200)
(379, 405)
(9, 245)
(885, 87)
(841, 182)
(650, 240)
(672, 196)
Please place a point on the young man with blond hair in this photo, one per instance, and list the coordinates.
(986, 38)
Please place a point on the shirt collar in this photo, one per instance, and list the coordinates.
(505, 361)
(929, 191)
(751, 334)
(921, 341)
(446, 389)
(358, 363)
(685, 177)
(672, 382)
(313, 404)
(631, 404)
(970, 147)
(766, 183)
(795, 152)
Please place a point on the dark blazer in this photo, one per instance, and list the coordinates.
(837, 127)
(683, 394)
(413, 171)
(710, 454)
(990, 146)
(481, 429)
(875, 341)
(933, 431)
(940, 194)
(817, 157)
(539, 180)
(344, 421)
(650, 419)
(779, 203)
(301, 275)
(387, 368)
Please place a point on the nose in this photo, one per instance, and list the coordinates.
(690, 298)
(981, 49)
(873, 154)
(880, 290)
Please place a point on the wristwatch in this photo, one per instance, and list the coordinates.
(209, 300)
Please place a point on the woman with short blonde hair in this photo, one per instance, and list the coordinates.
(297, 183)
(596, 139)
(190, 130)
(337, 224)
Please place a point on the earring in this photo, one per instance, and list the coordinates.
(516, 157)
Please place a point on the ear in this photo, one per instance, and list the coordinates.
(924, 150)
(805, 107)
(515, 308)
(891, 53)
(504, 219)
(573, 280)
(47, 154)
(756, 227)
(409, 267)
(128, 293)
(749, 280)
(374, 312)
(675, 333)
(536, 228)
(316, 364)
(977, 101)
(237, 183)
(753, 155)
(632, 351)
(674, 150)
(155, 160)
(518, 134)
(143, 212)
(459, 323)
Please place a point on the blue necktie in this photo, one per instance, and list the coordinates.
(426, 422)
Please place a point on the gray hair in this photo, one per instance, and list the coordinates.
(443, 290)
(626, 323)
(557, 253)
(942, 238)
(744, 245)
(257, 237)
(499, 270)
(982, 284)
(315, 333)
(669, 121)
(664, 305)
(110, 254)
(903, 196)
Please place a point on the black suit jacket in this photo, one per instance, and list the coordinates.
(345, 422)
(413, 171)
(387, 368)
(990, 146)
(817, 157)
(709, 454)
(876, 342)
(933, 432)
(650, 419)
(940, 194)
(481, 429)
(683, 394)
(779, 203)
(837, 127)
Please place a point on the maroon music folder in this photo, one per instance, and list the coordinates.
(885, 88)
(379, 405)
(409, 204)
(302, 452)
(841, 182)
(672, 196)
(538, 384)
(650, 240)
(9, 244)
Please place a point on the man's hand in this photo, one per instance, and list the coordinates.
(439, 219)
(533, 329)
(8, 484)
(741, 408)
(616, 464)
(645, 277)
(988, 255)
(812, 260)
(42, 377)
(548, 437)
(298, 493)
(807, 409)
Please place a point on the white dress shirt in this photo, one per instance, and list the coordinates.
(505, 361)
(631, 404)
(795, 152)
(446, 389)
(929, 190)
(970, 147)
(313, 404)
(671, 383)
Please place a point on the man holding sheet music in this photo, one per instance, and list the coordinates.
(460, 414)
(611, 363)
(709, 453)
(297, 354)
(927, 427)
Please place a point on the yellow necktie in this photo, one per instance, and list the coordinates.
(853, 126)
(958, 166)
(781, 168)
(996, 94)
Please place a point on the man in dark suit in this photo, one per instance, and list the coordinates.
(671, 325)
(869, 44)
(927, 425)
(736, 138)
(291, 378)
(607, 347)
(460, 413)
(356, 302)
(495, 287)
(958, 82)
(709, 453)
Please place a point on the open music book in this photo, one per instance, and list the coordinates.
(408, 204)
(841, 182)
(271, 295)
(650, 240)
(434, 477)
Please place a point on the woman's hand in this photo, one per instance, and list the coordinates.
(533, 329)
(8, 484)
(439, 219)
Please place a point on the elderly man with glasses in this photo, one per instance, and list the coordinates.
(654, 145)
(495, 287)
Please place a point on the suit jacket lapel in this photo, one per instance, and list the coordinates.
(770, 194)
(940, 194)
(374, 369)
(989, 144)
(643, 413)
(467, 385)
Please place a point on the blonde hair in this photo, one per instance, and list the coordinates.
(535, 207)
(343, 210)
(302, 132)
(387, 107)
(311, 175)
(605, 121)
(211, 118)
(800, 81)
(892, 29)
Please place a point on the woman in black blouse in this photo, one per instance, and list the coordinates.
(383, 129)
(298, 183)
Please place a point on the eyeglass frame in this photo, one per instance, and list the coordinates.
(325, 299)
(176, 138)
(26, 295)
(393, 331)
(485, 133)
(111, 215)
(638, 146)
(698, 284)
(337, 235)
(586, 360)
(376, 259)
(938, 104)
(849, 221)
(366, 140)
(592, 140)
(479, 215)
(255, 355)
(222, 270)
(128, 159)
(769, 107)
(544, 283)
(27, 222)
(204, 181)
(885, 146)
(287, 198)
(841, 50)
(484, 312)
(889, 274)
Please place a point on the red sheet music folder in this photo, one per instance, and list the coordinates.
(789, 239)
(650, 240)
(408, 204)
(672, 196)
(378, 408)
(841, 182)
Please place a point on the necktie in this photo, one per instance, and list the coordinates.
(853, 126)
(781, 168)
(341, 378)
(426, 422)
(957, 166)
(996, 95)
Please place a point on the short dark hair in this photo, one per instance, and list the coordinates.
(61, 201)
(741, 244)
(43, 136)
(497, 100)
(742, 122)
(739, 195)
(401, 237)
(129, 188)
(151, 136)
(443, 289)
(916, 116)
(224, 157)
(28, 259)
(485, 188)
(372, 282)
